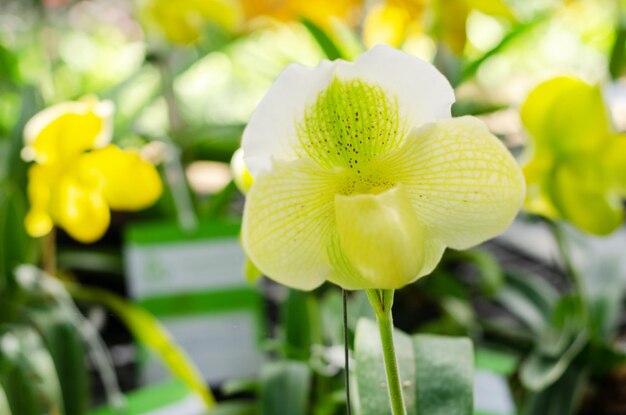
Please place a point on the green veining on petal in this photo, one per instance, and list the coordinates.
(349, 125)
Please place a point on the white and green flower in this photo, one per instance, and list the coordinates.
(363, 179)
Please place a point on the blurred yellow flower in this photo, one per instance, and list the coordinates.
(73, 187)
(322, 12)
(577, 168)
(183, 21)
(392, 21)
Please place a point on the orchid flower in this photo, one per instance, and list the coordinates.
(577, 168)
(363, 179)
(77, 176)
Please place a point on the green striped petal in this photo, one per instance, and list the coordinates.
(463, 183)
(288, 218)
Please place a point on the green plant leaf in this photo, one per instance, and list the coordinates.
(618, 51)
(561, 398)
(27, 373)
(67, 350)
(530, 298)
(490, 273)
(437, 372)
(148, 331)
(444, 375)
(4, 402)
(540, 370)
(15, 244)
(301, 322)
(236, 408)
(518, 31)
(285, 388)
(496, 361)
(324, 41)
(373, 397)
(605, 287)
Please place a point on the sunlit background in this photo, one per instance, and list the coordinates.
(140, 317)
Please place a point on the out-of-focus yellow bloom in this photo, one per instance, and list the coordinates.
(183, 21)
(88, 122)
(242, 177)
(322, 12)
(392, 21)
(577, 171)
(73, 187)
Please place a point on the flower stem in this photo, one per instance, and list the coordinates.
(569, 267)
(382, 301)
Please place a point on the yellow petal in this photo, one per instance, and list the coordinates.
(385, 23)
(566, 116)
(128, 181)
(462, 182)
(63, 131)
(615, 161)
(288, 217)
(40, 178)
(583, 198)
(450, 22)
(537, 173)
(38, 223)
(77, 205)
(498, 8)
(381, 237)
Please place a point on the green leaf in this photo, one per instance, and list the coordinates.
(605, 287)
(437, 372)
(491, 276)
(530, 299)
(444, 375)
(4, 402)
(496, 361)
(562, 398)
(27, 373)
(285, 388)
(236, 408)
(618, 51)
(301, 322)
(148, 331)
(518, 31)
(9, 72)
(557, 346)
(67, 350)
(463, 107)
(540, 370)
(324, 41)
(373, 397)
(220, 200)
(15, 244)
